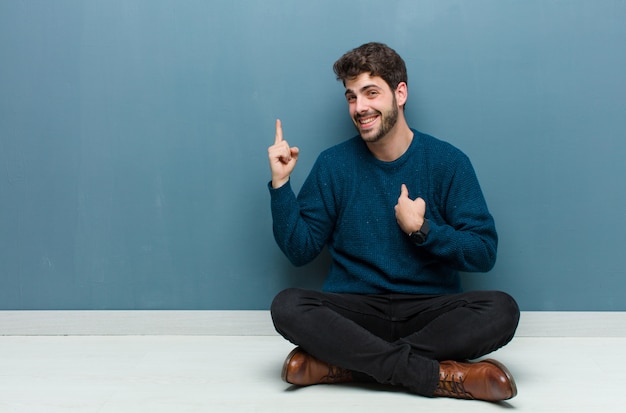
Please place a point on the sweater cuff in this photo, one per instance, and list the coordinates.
(279, 190)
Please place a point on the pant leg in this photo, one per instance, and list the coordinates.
(459, 326)
(347, 330)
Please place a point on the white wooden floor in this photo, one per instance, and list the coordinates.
(241, 373)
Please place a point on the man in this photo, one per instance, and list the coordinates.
(401, 213)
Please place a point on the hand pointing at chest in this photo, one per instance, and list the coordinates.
(409, 212)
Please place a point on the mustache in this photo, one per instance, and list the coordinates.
(365, 115)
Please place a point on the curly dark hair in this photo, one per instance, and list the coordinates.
(377, 59)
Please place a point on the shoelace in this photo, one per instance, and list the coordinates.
(452, 386)
(336, 374)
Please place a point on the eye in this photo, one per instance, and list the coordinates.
(350, 98)
(372, 93)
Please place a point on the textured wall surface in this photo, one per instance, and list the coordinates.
(134, 134)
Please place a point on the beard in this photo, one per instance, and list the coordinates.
(389, 119)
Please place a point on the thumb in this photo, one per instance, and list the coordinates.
(294, 152)
(404, 191)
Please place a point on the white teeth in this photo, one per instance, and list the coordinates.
(368, 120)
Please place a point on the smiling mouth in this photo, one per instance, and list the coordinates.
(366, 120)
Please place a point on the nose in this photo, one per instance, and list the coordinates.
(360, 105)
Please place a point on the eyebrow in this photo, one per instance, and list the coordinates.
(364, 88)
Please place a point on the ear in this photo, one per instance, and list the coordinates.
(402, 93)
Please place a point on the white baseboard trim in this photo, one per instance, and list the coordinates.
(259, 323)
(572, 324)
(136, 322)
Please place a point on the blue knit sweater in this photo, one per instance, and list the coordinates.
(347, 202)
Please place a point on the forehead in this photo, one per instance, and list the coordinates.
(364, 81)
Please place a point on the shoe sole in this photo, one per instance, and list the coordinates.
(507, 373)
(283, 374)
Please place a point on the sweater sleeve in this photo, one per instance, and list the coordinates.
(302, 225)
(465, 239)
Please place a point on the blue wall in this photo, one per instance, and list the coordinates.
(134, 135)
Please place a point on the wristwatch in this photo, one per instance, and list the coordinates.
(420, 236)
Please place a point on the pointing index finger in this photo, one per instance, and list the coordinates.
(279, 132)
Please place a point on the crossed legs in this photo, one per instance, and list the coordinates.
(395, 338)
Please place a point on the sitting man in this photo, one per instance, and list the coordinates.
(402, 213)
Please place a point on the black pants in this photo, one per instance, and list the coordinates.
(396, 338)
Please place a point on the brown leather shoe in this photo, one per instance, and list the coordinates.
(302, 369)
(485, 380)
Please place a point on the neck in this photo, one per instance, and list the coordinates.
(394, 144)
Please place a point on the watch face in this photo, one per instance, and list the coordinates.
(418, 237)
